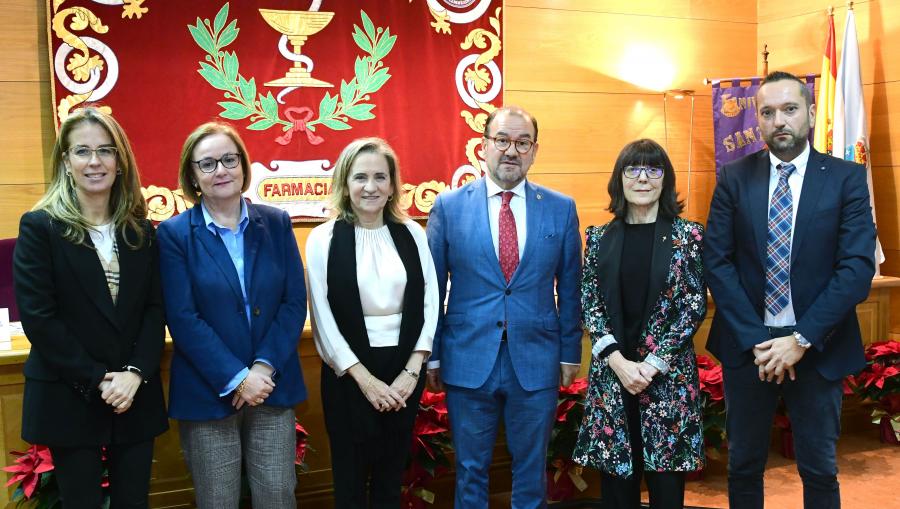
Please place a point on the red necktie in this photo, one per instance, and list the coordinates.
(509, 239)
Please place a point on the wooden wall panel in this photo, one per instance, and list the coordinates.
(743, 12)
(884, 127)
(769, 11)
(23, 133)
(24, 34)
(26, 130)
(584, 132)
(886, 186)
(796, 42)
(15, 200)
(580, 51)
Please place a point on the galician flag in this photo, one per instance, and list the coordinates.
(851, 142)
(822, 140)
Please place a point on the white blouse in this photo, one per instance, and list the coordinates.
(103, 236)
(382, 281)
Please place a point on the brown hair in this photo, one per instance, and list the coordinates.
(186, 166)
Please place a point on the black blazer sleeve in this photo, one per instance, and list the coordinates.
(37, 300)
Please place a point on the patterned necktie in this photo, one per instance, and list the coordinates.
(509, 239)
(778, 250)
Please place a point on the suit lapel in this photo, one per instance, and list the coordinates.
(534, 212)
(214, 247)
(254, 236)
(86, 266)
(758, 190)
(659, 263)
(813, 181)
(482, 224)
(130, 261)
(609, 257)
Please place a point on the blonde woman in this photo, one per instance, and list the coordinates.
(87, 286)
(374, 299)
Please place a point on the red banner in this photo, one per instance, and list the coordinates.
(298, 84)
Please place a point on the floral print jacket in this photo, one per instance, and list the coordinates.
(670, 407)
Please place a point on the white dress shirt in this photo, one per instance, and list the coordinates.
(382, 282)
(786, 317)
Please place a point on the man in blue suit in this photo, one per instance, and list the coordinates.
(507, 339)
(789, 252)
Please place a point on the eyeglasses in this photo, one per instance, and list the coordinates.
(84, 154)
(209, 164)
(634, 172)
(502, 143)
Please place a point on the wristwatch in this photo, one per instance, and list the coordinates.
(136, 370)
(411, 373)
(801, 341)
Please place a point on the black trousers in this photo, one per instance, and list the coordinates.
(666, 488)
(368, 474)
(814, 407)
(79, 471)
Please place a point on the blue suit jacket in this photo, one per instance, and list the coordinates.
(542, 332)
(832, 260)
(206, 313)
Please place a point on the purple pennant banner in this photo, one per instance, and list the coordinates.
(735, 128)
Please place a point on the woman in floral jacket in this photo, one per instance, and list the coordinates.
(644, 297)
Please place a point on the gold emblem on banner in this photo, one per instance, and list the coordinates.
(298, 26)
(422, 195)
(163, 203)
(82, 63)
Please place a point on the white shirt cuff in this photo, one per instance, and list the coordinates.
(602, 343)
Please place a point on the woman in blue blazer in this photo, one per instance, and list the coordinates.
(235, 304)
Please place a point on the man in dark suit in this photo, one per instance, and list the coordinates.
(506, 341)
(789, 252)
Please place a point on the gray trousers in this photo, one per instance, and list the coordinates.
(263, 437)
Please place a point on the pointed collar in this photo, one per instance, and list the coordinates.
(214, 227)
(493, 189)
(799, 162)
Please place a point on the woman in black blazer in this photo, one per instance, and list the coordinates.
(87, 285)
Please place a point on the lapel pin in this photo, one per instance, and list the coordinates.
(663, 238)
(822, 168)
(539, 196)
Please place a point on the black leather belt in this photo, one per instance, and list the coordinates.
(778, 332)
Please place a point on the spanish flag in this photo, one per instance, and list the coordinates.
(822, 140)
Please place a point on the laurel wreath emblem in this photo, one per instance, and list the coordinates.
(220, 69)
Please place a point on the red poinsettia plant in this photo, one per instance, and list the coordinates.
(33, 471)
(712, 389)
(302, 447)
(36, 483)
(564, 476)
(429, 451)
(879, 383)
